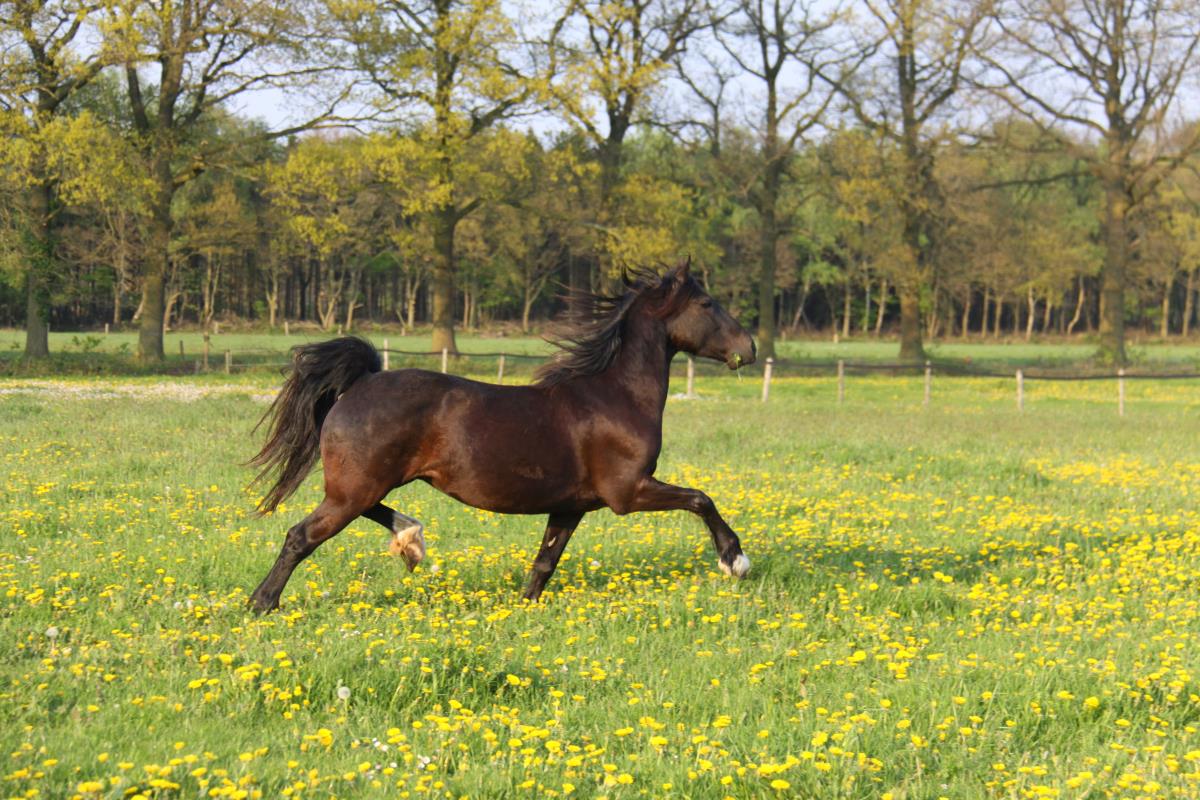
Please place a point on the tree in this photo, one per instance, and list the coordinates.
(1168, 236)
(618, 54)
(219, 228)
(447, 71)
(910, 59)
(1111, 71)
(325, 189)
(204, 54)
(770, 41)
(40, 69)
(856, 173)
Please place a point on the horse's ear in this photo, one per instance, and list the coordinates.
(683, 270)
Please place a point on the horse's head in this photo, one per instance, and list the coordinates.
(697, 324)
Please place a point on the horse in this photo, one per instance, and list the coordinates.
(585, 435)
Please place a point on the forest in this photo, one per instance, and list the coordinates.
(868, 168)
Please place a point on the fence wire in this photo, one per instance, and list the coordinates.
(249, 359)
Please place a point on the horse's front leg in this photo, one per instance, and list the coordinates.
(558, 532)
(650, 494)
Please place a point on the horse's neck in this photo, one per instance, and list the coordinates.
(643, 365)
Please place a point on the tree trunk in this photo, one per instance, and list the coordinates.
(1079, 301)
(966, 315)
(768, 243)
(883, 300)
(39, 270)
(1164, 326)
(210, 289)
(1048, 317)
(1112, 275)
(352, 296)
(866, 317)
(272, 296)
(118, 294)
(153, 307)
(1032, 315)
(526, 306)
(150, 327)
(37, 328)
(1189, 302)
(931, 327)
(121, 270)
(911, 348)
(445, 221)
(846, 312)
(410, 298)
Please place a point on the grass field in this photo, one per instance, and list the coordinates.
(960, 601)
(97, 353)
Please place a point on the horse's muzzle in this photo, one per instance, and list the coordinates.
(742, 356)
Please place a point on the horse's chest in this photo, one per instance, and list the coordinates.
(627, 448)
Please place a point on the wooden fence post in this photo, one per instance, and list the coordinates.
(1121, 392)
(691, 378)
(1020, 390)
(841, 381)
(286, 332)
(228, 361)
(106, 329)
(500, 370)
(928, 382)
(206, 345)
(385, 353)
(445, 355)
(767, 378)
(181, 348)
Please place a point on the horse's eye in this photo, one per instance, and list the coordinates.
(706, 302)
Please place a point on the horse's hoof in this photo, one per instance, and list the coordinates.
(409, 544)
(259, 608)
(738, 569)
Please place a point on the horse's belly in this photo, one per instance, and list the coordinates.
(515, 493)
(515, 481)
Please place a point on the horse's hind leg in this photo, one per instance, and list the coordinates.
(408, 540)
(304, 537)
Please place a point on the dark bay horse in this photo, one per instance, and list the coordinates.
(584, 436)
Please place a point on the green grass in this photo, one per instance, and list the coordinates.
(958, 601)
(96, 353)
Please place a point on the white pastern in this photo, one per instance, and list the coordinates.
(740, 568)
(409, 541)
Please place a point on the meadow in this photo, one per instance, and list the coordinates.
(957, 601)
(98, 353)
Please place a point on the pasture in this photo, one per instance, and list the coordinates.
(959, 601)
(98, 353)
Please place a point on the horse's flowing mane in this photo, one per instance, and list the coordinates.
(588, 336)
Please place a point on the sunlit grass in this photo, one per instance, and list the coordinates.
(958, 601)
(250, 346)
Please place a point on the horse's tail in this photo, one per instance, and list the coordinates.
(318, 374)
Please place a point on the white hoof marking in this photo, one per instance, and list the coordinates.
(740, 568)
(409, 541)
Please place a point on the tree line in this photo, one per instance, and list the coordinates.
(959, 168)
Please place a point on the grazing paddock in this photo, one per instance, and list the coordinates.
(959, 601)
